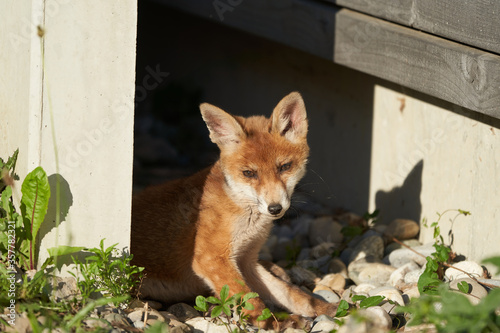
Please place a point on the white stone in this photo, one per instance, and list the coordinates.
(324, 326)
(400, 257)
(398, 276)
(389, 293)
(413, 276)
(470, 267)
(327, 295)
(363, 288)
(378, 316)
(206, 325)
(376, 274)
(475, 291)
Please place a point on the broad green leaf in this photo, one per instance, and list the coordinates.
(36, 194)
(213, 300)
(6, 204)
(201, 304)
(249, 296)
(224, 293)
(342, 309)
(266, 313)
(371, 301)
(463, 287)
(226, 310)
(64, 250)
(428, 283)
(216, 311)
(248, 306)
(356, 298)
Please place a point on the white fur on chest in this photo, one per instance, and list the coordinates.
(249, 234)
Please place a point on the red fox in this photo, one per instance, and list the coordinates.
(197, 234)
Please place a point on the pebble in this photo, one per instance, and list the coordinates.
(411, 292)
(377, 316)
(375, 322)
(413, 276)
(66, 289)
(475, 292)
(139, 324)
(207, 325)
(400, 257)
(402, 229)
(469, 266)
(22, 325)
(323, 249)
(363, 288)
(333, 281)
(369, 246)
(301, 276)
(327, 295)
(96, 323)
(493, 282)
(115, 317)
(389, 293)
(136, 315)
(394, 246)
(323, 317)
(325, 229)
(183, 311)
(337, 266)
(375, 273)
(397, 278)
(324, 326)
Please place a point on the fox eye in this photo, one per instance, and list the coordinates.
(249, 173)
(285, 167)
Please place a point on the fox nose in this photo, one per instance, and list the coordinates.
(275, 209)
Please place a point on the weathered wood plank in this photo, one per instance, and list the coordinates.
(472, 22)
(305, 25)
(438, 67)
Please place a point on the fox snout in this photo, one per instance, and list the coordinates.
(275, 209)
(273, 202)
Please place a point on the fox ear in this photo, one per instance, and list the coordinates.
(289, 118)
(225, 131)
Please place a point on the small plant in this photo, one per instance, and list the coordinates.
(452, 312)
(367, 302)
(343, 309)
(431, 278)
(107, 273)
(371, 218)
(226, 305)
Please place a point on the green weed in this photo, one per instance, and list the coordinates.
(227, 305)
(107, 273)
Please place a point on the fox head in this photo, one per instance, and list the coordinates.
(262, 158)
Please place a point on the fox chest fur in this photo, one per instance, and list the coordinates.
(197, 234)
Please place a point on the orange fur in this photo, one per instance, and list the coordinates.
(197, 234)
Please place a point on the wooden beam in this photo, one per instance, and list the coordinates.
(306, 25)
(438, 67)
(459, 74)
(471, 22)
